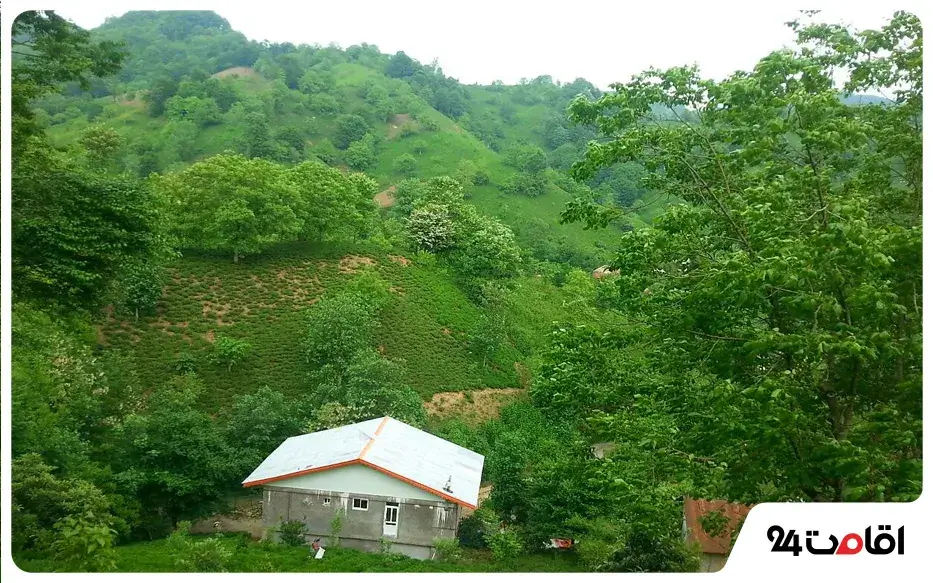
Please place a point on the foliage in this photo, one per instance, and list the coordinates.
(74, 229)
(505, 545)
(50, 50)
(230, 351)
(231, 204)
(292, 533)
(332, 205)
(471, 533)
(101, 143)
(350, 128)
(404, 164)
(447, 549)
(139, 288)
(431, 227)
(361, 154)
(84, 543)
(339, 327)
(774, 293)
(172, 456)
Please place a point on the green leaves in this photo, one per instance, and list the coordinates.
(232, 204)
(777, 278)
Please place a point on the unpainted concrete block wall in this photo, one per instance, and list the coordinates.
(420, 522)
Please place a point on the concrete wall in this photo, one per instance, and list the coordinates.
(358, 479)
(420, 521)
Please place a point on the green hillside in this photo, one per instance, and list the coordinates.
(219, 244)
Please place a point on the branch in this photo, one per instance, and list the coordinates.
(705, 335)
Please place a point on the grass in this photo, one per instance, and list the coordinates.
(251, 557)
(530, 218)
(263, 299)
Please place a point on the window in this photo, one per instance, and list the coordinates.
(360, 504)
(391, 514)
(326, 501)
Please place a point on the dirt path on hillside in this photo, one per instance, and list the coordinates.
(471, 406)
(238, 71)
(396, 124)
(386, 198)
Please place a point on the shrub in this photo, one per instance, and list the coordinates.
(336, 525)
(84, 543)
(471, 532)
(206, 556)
(230, 351)
(448, 549)
(404, 164)
(292, 533)
(505, 545)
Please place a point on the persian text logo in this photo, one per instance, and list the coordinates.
(883, 543)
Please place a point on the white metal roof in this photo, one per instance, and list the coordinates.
(385, 444)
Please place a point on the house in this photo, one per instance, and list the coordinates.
(384, 478)
(714, 550)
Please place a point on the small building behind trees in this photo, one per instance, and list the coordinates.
(367, 482)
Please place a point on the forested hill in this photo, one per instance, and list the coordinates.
(219, 244)
(192, 87)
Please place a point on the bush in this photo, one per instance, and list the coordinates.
(505, 545)
(404, 164)
(292, 533)
(206, 556)
(230, 351)
(447, 549)
(471, 533)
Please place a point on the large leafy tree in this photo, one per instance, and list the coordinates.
(332, 203)
(232, 204)
(74, 230)
(173, 456)
(787, 291)
(47, 52)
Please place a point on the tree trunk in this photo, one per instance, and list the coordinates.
(137, 314)
(236, 256)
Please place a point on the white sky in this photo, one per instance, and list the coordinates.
(484, 40)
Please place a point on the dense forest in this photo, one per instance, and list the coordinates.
(220, 243)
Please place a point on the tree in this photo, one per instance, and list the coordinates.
(362, 153)
(101, 143)
(372, 386)
(228, 203)
(48, 51)
(339, 326)
(139, 287)
(350, 128)
(74, 229)
(230, 351)
(486, 249)
(42, 500)
(333, 205)
(404, 164)
(202, 111)
(431, 227)
(172, 456)
(400, 66)
(316, 81)
(159, 93)
(258, 423)
(524, 184)
(527, 159)
(487, 336)
(786, 292)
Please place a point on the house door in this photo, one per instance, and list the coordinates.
(390, 524)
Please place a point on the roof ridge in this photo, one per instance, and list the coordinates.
(373, 438)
